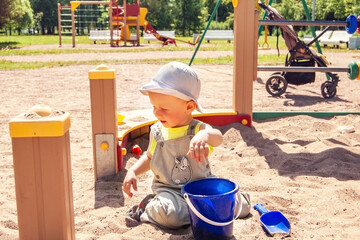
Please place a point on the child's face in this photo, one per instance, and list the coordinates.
(171, 111)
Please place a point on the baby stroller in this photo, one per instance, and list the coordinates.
(299, 55)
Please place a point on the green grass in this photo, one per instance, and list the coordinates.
(19, 51)
(9, 65)
(16, 42)
(12, 45)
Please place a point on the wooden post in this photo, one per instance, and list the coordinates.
(73, 25)
(59, 24)
(42, 170)
(245, 57)
(125, 27)
(73, 6)
(111, 27)
(104, 120)
(138, 25)
(255, 48)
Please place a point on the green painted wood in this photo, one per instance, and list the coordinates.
(270, 115)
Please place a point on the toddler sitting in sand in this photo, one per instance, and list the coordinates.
(178, 149)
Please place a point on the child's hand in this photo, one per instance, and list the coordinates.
(141, 166)
(199, 148)
(130, 180)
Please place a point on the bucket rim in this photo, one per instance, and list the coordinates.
(236, 187)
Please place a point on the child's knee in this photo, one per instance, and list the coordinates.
(166, 213)
(170, 219)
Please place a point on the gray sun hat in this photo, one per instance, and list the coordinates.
(175, 79)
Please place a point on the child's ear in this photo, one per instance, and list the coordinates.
(190, 106)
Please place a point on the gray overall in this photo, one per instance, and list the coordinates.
(173, 168)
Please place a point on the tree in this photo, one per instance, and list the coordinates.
(22, 15)
(339, 12)
(319, 11)
(18, 14)
(224, 10)
(187, 14)
(48, 8)
(5, 11)
(225, 13)
(291, 10)
(37, 21)
(355, 7)
(159, 13)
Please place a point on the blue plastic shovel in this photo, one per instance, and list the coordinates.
(274, 221)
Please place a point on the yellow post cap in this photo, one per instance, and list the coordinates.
(102, 72)
(40, 121)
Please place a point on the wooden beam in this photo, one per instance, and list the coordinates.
(245, 41)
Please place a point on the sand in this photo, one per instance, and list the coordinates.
(303, 166)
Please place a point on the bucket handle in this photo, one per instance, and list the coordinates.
(205, 219)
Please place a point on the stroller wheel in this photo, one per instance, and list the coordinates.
(328, 89)
(276, 85)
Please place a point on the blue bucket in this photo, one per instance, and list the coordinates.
(211, 205)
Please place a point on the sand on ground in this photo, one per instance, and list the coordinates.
(303, 166)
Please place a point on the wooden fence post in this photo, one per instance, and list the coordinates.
(42, 170)
(104, 120)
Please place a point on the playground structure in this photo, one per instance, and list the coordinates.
(166, 39)
(126, 16)
(45, 136)
(266, 44)
(86, 17)
(121, 20)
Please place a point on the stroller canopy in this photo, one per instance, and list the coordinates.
(289, 34)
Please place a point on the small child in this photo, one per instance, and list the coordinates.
(178, 149)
